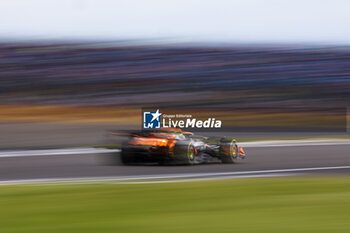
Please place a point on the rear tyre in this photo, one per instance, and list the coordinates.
(185, 153)
(228, 151)
(127, 157)
(191, 154)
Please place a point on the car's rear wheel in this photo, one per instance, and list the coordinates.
(191, 154)
(185, 153)
(127, 156)
(228, 151)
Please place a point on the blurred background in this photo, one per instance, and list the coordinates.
(71, 70)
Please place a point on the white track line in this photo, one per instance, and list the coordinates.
(111, 180)
(205, 178)
(71, 151)
(173, 177)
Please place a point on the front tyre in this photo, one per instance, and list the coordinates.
(228, 151)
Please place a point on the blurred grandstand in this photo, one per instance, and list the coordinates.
(227, 79)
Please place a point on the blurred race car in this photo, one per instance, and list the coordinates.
(172, 145)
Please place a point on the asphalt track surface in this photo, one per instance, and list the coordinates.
(259, 159)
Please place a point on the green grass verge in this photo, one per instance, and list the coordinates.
(298, 204)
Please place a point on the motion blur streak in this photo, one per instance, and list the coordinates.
(94, 74)
(257, 86)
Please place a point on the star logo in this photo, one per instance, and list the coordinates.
(151, 120)
(156, 115)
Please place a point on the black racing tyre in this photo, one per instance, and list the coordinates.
(228, 151)
(191, 154)
(127, 156)
(185, 153)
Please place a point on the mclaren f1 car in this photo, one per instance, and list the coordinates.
(174, 146)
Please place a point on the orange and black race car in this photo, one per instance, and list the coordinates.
(172, 145)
